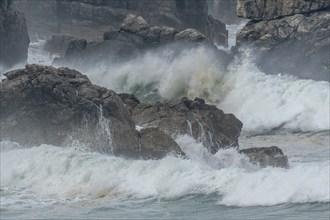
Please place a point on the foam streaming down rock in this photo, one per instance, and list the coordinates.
(42, 104)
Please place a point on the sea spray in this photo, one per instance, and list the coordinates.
(263, 102)
(104, 132)
(69, 173)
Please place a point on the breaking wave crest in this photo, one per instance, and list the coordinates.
(263, 102)
(69, 173)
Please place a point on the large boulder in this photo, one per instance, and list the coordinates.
(205, 123)
(267, 156)
(45, 105)
(297, 44)
(42, 104)
(14, 36)
(269, 10)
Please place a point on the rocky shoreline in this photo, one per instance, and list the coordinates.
(45, 105)
(288, 37)
(61, 105)
(285, 38)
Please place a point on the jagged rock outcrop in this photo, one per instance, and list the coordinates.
(269, 10)
(296, 44)
(42, 104)
(203, 122)
(14, 38)
(267, 156)
(96, 15)
(45, 105)
(133, 38)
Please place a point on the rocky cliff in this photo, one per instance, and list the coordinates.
(75, 16)
(288, 36)
(14, 38)
(224, 10)
(132, 39)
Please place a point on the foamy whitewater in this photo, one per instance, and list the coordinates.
(69, 182)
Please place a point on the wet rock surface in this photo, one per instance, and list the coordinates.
(288, 37)
(267, 156)
(157, 144)
(45, 105)
(269, 10)
(205, 123)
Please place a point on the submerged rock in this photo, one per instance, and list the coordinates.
(267, 156)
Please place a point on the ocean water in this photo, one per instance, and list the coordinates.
(68, 182)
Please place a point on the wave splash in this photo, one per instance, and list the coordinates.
(69, 173)
(263, 102)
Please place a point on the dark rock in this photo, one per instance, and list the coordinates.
(14, 37)
(45, 105)
(75, 47)
(58, 44)
(224, 10)
(297, 44)
(129, 100)
(267, 156)
(58, 16)
(269, 10)
(190, 35)
(110, 35)
(137, 30)
(205, 123)
(157, 144)
(133, 38)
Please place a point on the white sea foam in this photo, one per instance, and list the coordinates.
(262, 102)
(269, 101)
(67, 173)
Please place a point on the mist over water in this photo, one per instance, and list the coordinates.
(70, 181)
